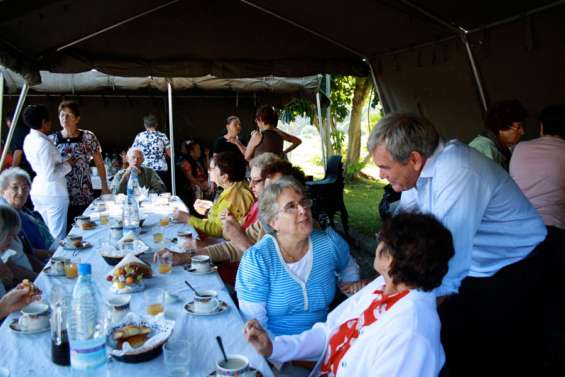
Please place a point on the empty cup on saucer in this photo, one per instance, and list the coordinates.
(81, 220)
(118, 307)
(206, 301)
(34, 316)
(201, 263)
(235, 365)
(58, 265)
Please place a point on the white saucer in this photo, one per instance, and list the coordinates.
(222, 307)
(250, 373)
(193, 270)
(84, 245)
(48, 271)
(15, 327)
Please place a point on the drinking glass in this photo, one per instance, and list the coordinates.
(155, 301)
(104, 218)
(177, 357)
(71, 267)
(165, 262)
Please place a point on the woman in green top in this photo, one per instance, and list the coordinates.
(227, 170)
(504, 128)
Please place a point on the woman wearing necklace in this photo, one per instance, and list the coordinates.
(84, 147)
(391, 327)
(289, 278)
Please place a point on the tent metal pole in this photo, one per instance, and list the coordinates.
(376, 84)
(129, 19)
(321, 124)
(433, 17)
(172, 137)
(17, 113)
(1, 100)
(475, 70)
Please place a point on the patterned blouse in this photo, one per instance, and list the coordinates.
(82, 148)
(153, 145)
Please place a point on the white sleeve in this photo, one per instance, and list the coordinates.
(308, 345)
(254, 310)
(350, 273)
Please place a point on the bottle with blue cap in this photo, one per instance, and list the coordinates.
(87, 327)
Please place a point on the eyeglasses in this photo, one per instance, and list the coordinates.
(253, 182)
(292, 207)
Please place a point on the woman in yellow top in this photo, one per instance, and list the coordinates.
(227, 170)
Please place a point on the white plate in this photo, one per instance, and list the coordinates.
(15, 327)
(49, 272)
(193, 270)
(222, 307)
(84, 245)
(250, 373)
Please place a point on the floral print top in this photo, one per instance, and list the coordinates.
(153, 145)
(82, 148)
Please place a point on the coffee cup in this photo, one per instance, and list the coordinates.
(73, 240)
(100, 206)
(200, 263)
(58, 265)
(118, 307)
(81, 220)
(34, 316)
(206, 301)
(116, 232)
(235, 365)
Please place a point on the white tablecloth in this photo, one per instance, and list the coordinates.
(30, 355)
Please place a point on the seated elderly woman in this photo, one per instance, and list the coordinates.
(147, 177)
(14, 263)
(391, 327)
(15, 184)
(288, 279)
(227, 170)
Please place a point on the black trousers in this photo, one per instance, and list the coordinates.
(493, 326)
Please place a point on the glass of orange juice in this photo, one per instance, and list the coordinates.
(71, 267)
(165, 262)
(164, 221)
(158, 236)
(155, 301)
(104, 218)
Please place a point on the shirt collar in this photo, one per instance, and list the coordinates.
(428, 170)
(38, 133)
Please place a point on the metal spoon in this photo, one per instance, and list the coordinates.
(191, 287)
(221, 344)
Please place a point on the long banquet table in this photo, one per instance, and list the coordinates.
(30, 355)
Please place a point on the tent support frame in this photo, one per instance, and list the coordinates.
(171, 137)
(17, 113)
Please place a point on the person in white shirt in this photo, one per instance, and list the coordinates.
(49, 188)
(390, 327)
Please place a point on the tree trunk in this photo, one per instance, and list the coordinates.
(361, 93)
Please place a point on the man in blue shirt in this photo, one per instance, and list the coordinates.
(489, 297)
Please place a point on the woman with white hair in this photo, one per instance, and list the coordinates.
(147, 177)
(14, 190)
(288, 279)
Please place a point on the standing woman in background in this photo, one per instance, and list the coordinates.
(269, 138)
(230, 142)
(49, 188)
(155, 146)
(83, 146)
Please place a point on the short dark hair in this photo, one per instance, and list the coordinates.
(501, 115)
(231, 163)
(267, 115)
(420, 247)
(286, 169)
(150, 121)
(71, 105)
(34, 115)
(553, 120)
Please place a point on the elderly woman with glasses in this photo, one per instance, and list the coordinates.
(288, 279)
(391, 327)
(227, 170)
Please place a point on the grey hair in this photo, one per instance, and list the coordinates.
(133, 149)
(268, 206)
(402, 134)
(263, 160)
(150, 121)
(10, 174)
(9, 220)
(233, 118)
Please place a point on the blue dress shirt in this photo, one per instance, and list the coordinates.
(492, 223)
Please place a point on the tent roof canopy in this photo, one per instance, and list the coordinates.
(228, 38)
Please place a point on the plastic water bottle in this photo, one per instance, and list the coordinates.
(87, 326)
(130, 217)
(133, 184)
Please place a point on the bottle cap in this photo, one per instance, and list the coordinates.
(84, 269)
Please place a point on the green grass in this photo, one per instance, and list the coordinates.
(362, 197)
